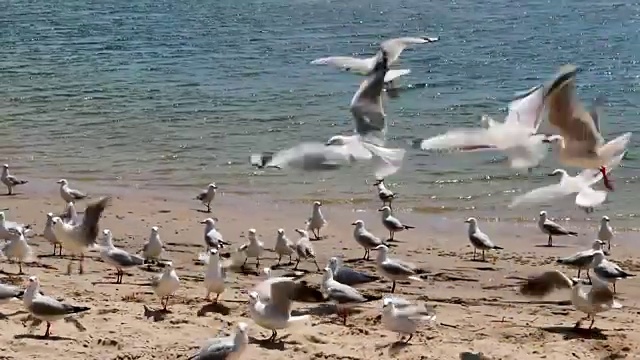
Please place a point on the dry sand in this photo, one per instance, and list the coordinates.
(478, 308)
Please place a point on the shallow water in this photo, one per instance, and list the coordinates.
(155, 94)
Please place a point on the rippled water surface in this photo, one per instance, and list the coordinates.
(179, 93)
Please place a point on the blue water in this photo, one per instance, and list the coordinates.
(178, 93)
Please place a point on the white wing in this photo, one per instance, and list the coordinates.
(592, 176)
(526, 110)
(361, 66)
(395, 46)
(310, 156)
(590, 198)
(394, 74)
(543, 194)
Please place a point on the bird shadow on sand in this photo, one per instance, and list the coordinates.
(277, 344)
(396, 347)
(42, 337)
(202, 211)
(551, 247)
(156, 314)
(7, 316)
(122, 283)
(570, 332)
(217, 308)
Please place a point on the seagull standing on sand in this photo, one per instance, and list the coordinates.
(364, 66)
(50, 236)
(608, 270)
(68, 194)
(152, 249)
(580, 143)
(348, 276)
(365, 239)
(340, 294)
(212, 237)
(316, 221)
(207, 196)
(304, 249)
(253, 249)
(118, 258)
(17, 249)
(405, 320)
(214, 278)
(478, 239)
(582, 260)
(605, 233)
(590, 299)
(77, 238)
(166, 284)
(275, 314)
(392, 223)
(552, 229)
(393, 269)
(46, 308)
(229, 347)
(284, 246)
(9, 180)
(384, 194)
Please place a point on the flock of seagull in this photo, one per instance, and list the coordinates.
(579, 144)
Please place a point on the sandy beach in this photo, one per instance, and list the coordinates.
(478, 307)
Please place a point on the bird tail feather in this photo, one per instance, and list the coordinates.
(416, 278)
(409, 227)
(573, 233)
(498, 247)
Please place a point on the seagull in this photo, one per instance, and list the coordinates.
(8, 228)
(253, 249)
(212, 237)
(284, 246)
(152, 249)
(552, 229)
(304, 249)
(9, 180)
(166, 284)
(579, 143)
(605, 233)
(393, 269)
(582, 259)
(214, 278)
(348, 276)
(392, 223)
(118, 258)
(68, 194)
(50, 236)
(229, 347)
(608, 270)
(393, 47)
(260, 160)
(207, 196)
(581, 185)
(384, 194)
(365, 239)
(46, 308)
(516, 136)
(263, 288)
(70, 215)
(77, 238)
(275, 314)
(478, 239)
(590, 299)
(342, 295)
(405, 320)
(317, 220)
(17, 249)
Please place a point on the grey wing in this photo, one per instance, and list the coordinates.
(215, 349)
(91, 217)
(282, 293)
(344, 294)
(554, 228)
(369, 240)
(397, 268)
(393, 223)
(47, 306)
(14, 180)
(350, 277)
(581, 259)
(202, 195)
(123, 258)
(9, 291)
(481, 240)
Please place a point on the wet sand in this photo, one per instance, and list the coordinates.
(478, 307)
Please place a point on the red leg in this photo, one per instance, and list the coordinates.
(607, 182)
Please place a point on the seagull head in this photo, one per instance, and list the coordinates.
(605, 219)
(49, 217)
(333, 263)
(253, 297)
(358, 223)
(57, 222)
(386, 211)
(597, 245)
(213, 251)
(378, 182)
(557, 172)
(5, 166)
(387, 302)
(317, 204)
(212, 186)
(208, 221)
(327, 274)
(553, 139)
(169, 266)
(242, 328)
(336, 141)
(280, 232)
(62, 182)
(267, 272)
(32, 282)
(2, 216)
(543, 214)
(382, 248)
(471, 221)
(302, 232)
(154, 229)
